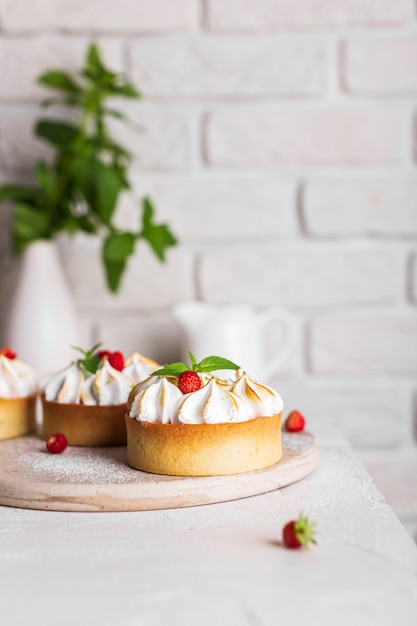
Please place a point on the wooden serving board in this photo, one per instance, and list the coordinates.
(99, 479)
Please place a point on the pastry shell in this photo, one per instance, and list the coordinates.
(17, 416)
(204, 449)
(84, 424)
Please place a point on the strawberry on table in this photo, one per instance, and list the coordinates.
(299, 533)
(295, 422)
(56, 443)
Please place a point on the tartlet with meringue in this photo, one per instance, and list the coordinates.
(223, 427)
(18, 391)
(87, 400)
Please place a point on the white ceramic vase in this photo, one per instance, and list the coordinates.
(42, 322)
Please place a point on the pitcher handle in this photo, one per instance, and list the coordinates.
(289, 334)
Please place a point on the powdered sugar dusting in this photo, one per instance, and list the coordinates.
(80, 465)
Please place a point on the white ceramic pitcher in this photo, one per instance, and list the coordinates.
(235, 332)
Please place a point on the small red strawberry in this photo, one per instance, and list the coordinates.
(56, 443)
(103, 353)
(189, 381)
(294, 422)
(298, 533)
(117, 360)
(8, 353)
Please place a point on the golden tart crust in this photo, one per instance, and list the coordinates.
(85, 424)
(17, 416)
(204, 449)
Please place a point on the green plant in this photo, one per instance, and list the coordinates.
(80, 188)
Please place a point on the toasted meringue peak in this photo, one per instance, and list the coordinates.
(138, 367)
(64, 386)
(261, 399)
(212, 404)
(155, 399)
(17, 379)
(107, 386)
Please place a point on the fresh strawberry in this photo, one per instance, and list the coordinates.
(117, 360)
(103, 353)
(56, 443)
(294, 422)
(8, 353)
(298, 533)
(189, 381)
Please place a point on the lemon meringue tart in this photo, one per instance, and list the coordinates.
(87, 400)
(18, 392)
(224, 427)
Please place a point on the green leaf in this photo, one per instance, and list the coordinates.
(29, 224)
(44, 177)
(93, 61)
(209, 364)
(89, 364)
(173, 369)
(116, 250)
(108, 184)
(57, 133)
(125, 90)
(158, 236)
(212, 363)
(19, 193)
(192, 359)
(58, 79)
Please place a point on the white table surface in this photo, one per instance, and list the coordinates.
(216, 564)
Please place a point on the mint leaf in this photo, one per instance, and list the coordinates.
(208, 364)
(211, 363)
(192, 359)
(173, 369)
(91, 361)
(91, 364)
(158, 236)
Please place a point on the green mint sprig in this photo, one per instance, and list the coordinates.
(89, 364)
(208, 364)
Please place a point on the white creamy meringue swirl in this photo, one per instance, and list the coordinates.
(64, 386)
(156, 399)
(138, 367)
(262, 400)
(17, 379)
(212, 404)
(107, 386)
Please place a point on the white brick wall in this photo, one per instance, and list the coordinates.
(138, 16)
(299, 276)
(219, 67)
(384, 66)
(366, 136)
(374, 206)
(364, 345)
(264, 15)
(279, 139)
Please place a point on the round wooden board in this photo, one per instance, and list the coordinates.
(98, 479)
